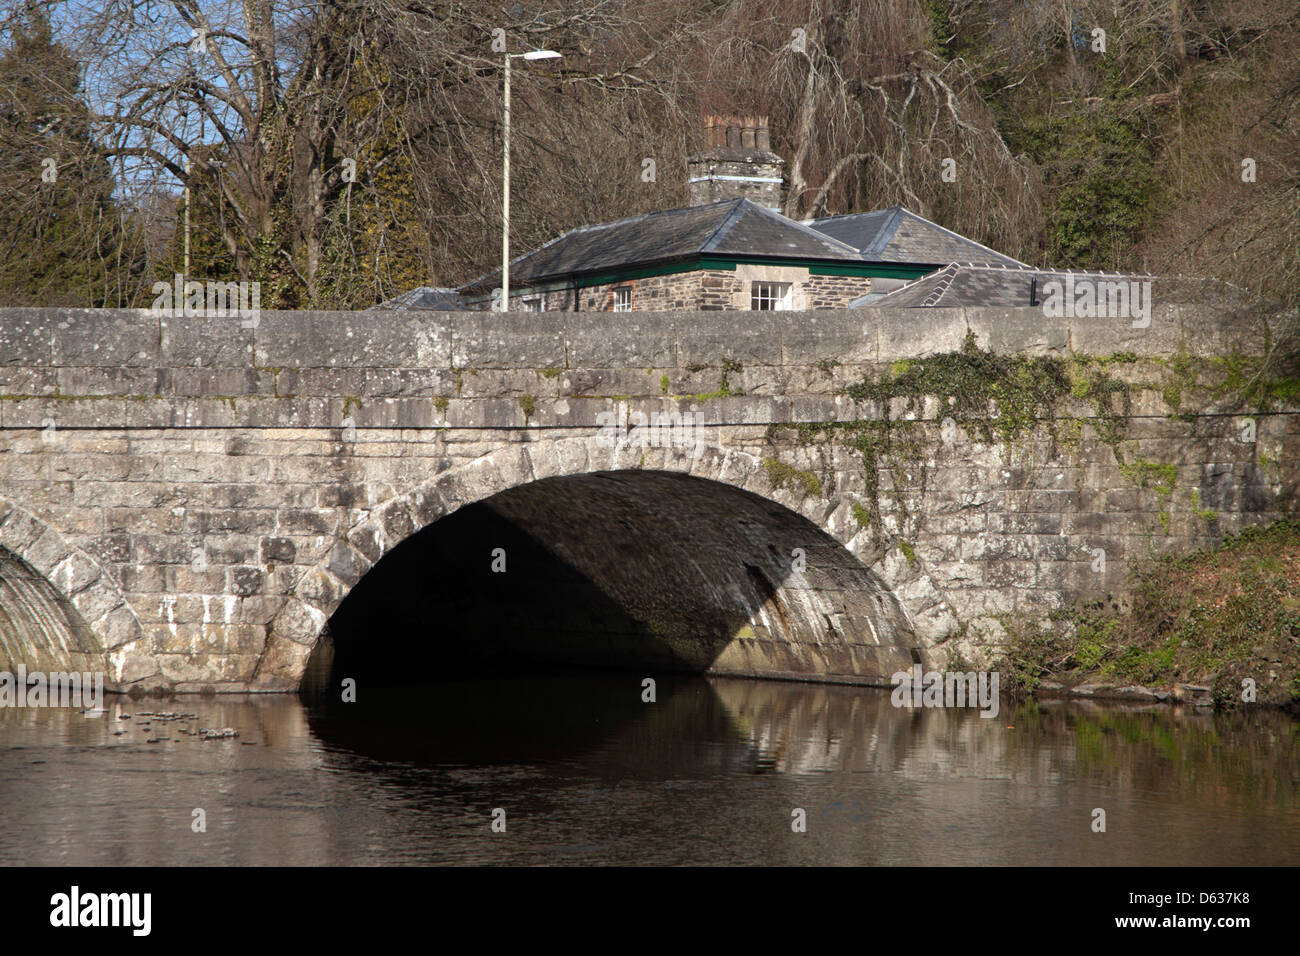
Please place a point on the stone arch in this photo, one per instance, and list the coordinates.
(49, 578)
(294, 631)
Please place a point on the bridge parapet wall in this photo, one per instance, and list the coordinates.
(139, 369)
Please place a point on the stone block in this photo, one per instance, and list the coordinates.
(749, 338)
(1021, 331)
(609, 340)
(481, 340)
(917, 333)
(113, 338)
(826, 339)
(352, 339)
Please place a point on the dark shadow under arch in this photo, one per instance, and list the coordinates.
(625, 570)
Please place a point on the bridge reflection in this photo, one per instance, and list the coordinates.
(588, 772)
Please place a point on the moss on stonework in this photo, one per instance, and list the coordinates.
(909, 552)
(550, 372)
(1208, 515)
(782, 475)
(529, 405)
(725, 389)
(985, 393)
(992, 398)
(1263, 383)
(1111, 399)
(1145, 473)
(1245, 382)
(1151, 474)
(275, 371)
(440, 402)
(58, 397)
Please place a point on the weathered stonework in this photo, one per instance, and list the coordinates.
(204, 495)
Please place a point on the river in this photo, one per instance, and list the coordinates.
(587, 772)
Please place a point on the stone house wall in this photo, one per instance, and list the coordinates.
(709, 290)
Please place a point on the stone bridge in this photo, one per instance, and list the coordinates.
(217, 503)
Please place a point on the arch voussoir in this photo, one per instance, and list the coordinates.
(367, 539)
(347, 563)
(658, 459)
(397, 521)
(514, 464)
(735, 467)
(321, 589)
(427, 504)
(470, 482)
(80, 580)
(543, 458)
(574, 455)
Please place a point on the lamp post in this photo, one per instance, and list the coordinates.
(185, 269)
(505, 165)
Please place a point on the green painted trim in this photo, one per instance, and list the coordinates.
(879, 270)
(729, 263)
(819, 266)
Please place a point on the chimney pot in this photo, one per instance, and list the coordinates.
(721, 174)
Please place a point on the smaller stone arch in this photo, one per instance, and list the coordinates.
(48, 579)
(294, 631)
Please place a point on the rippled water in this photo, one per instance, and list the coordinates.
(588, 773)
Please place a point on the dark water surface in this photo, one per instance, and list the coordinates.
(587, 773)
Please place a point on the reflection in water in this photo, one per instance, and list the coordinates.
(589, 774)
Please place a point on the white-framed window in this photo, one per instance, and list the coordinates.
(770, 296)
(533, 303)
(623, 299)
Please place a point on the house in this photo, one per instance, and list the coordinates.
(732, 254)
(730, 249)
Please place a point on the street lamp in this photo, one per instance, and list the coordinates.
(505, 193)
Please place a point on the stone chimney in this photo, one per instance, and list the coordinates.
(737, 163)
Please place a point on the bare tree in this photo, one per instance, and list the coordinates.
(869, 116)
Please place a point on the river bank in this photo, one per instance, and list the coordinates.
(1216, 628)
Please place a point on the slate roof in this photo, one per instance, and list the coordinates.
(980, 283)
(897, 235)
(422, 297)
(731, 227)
